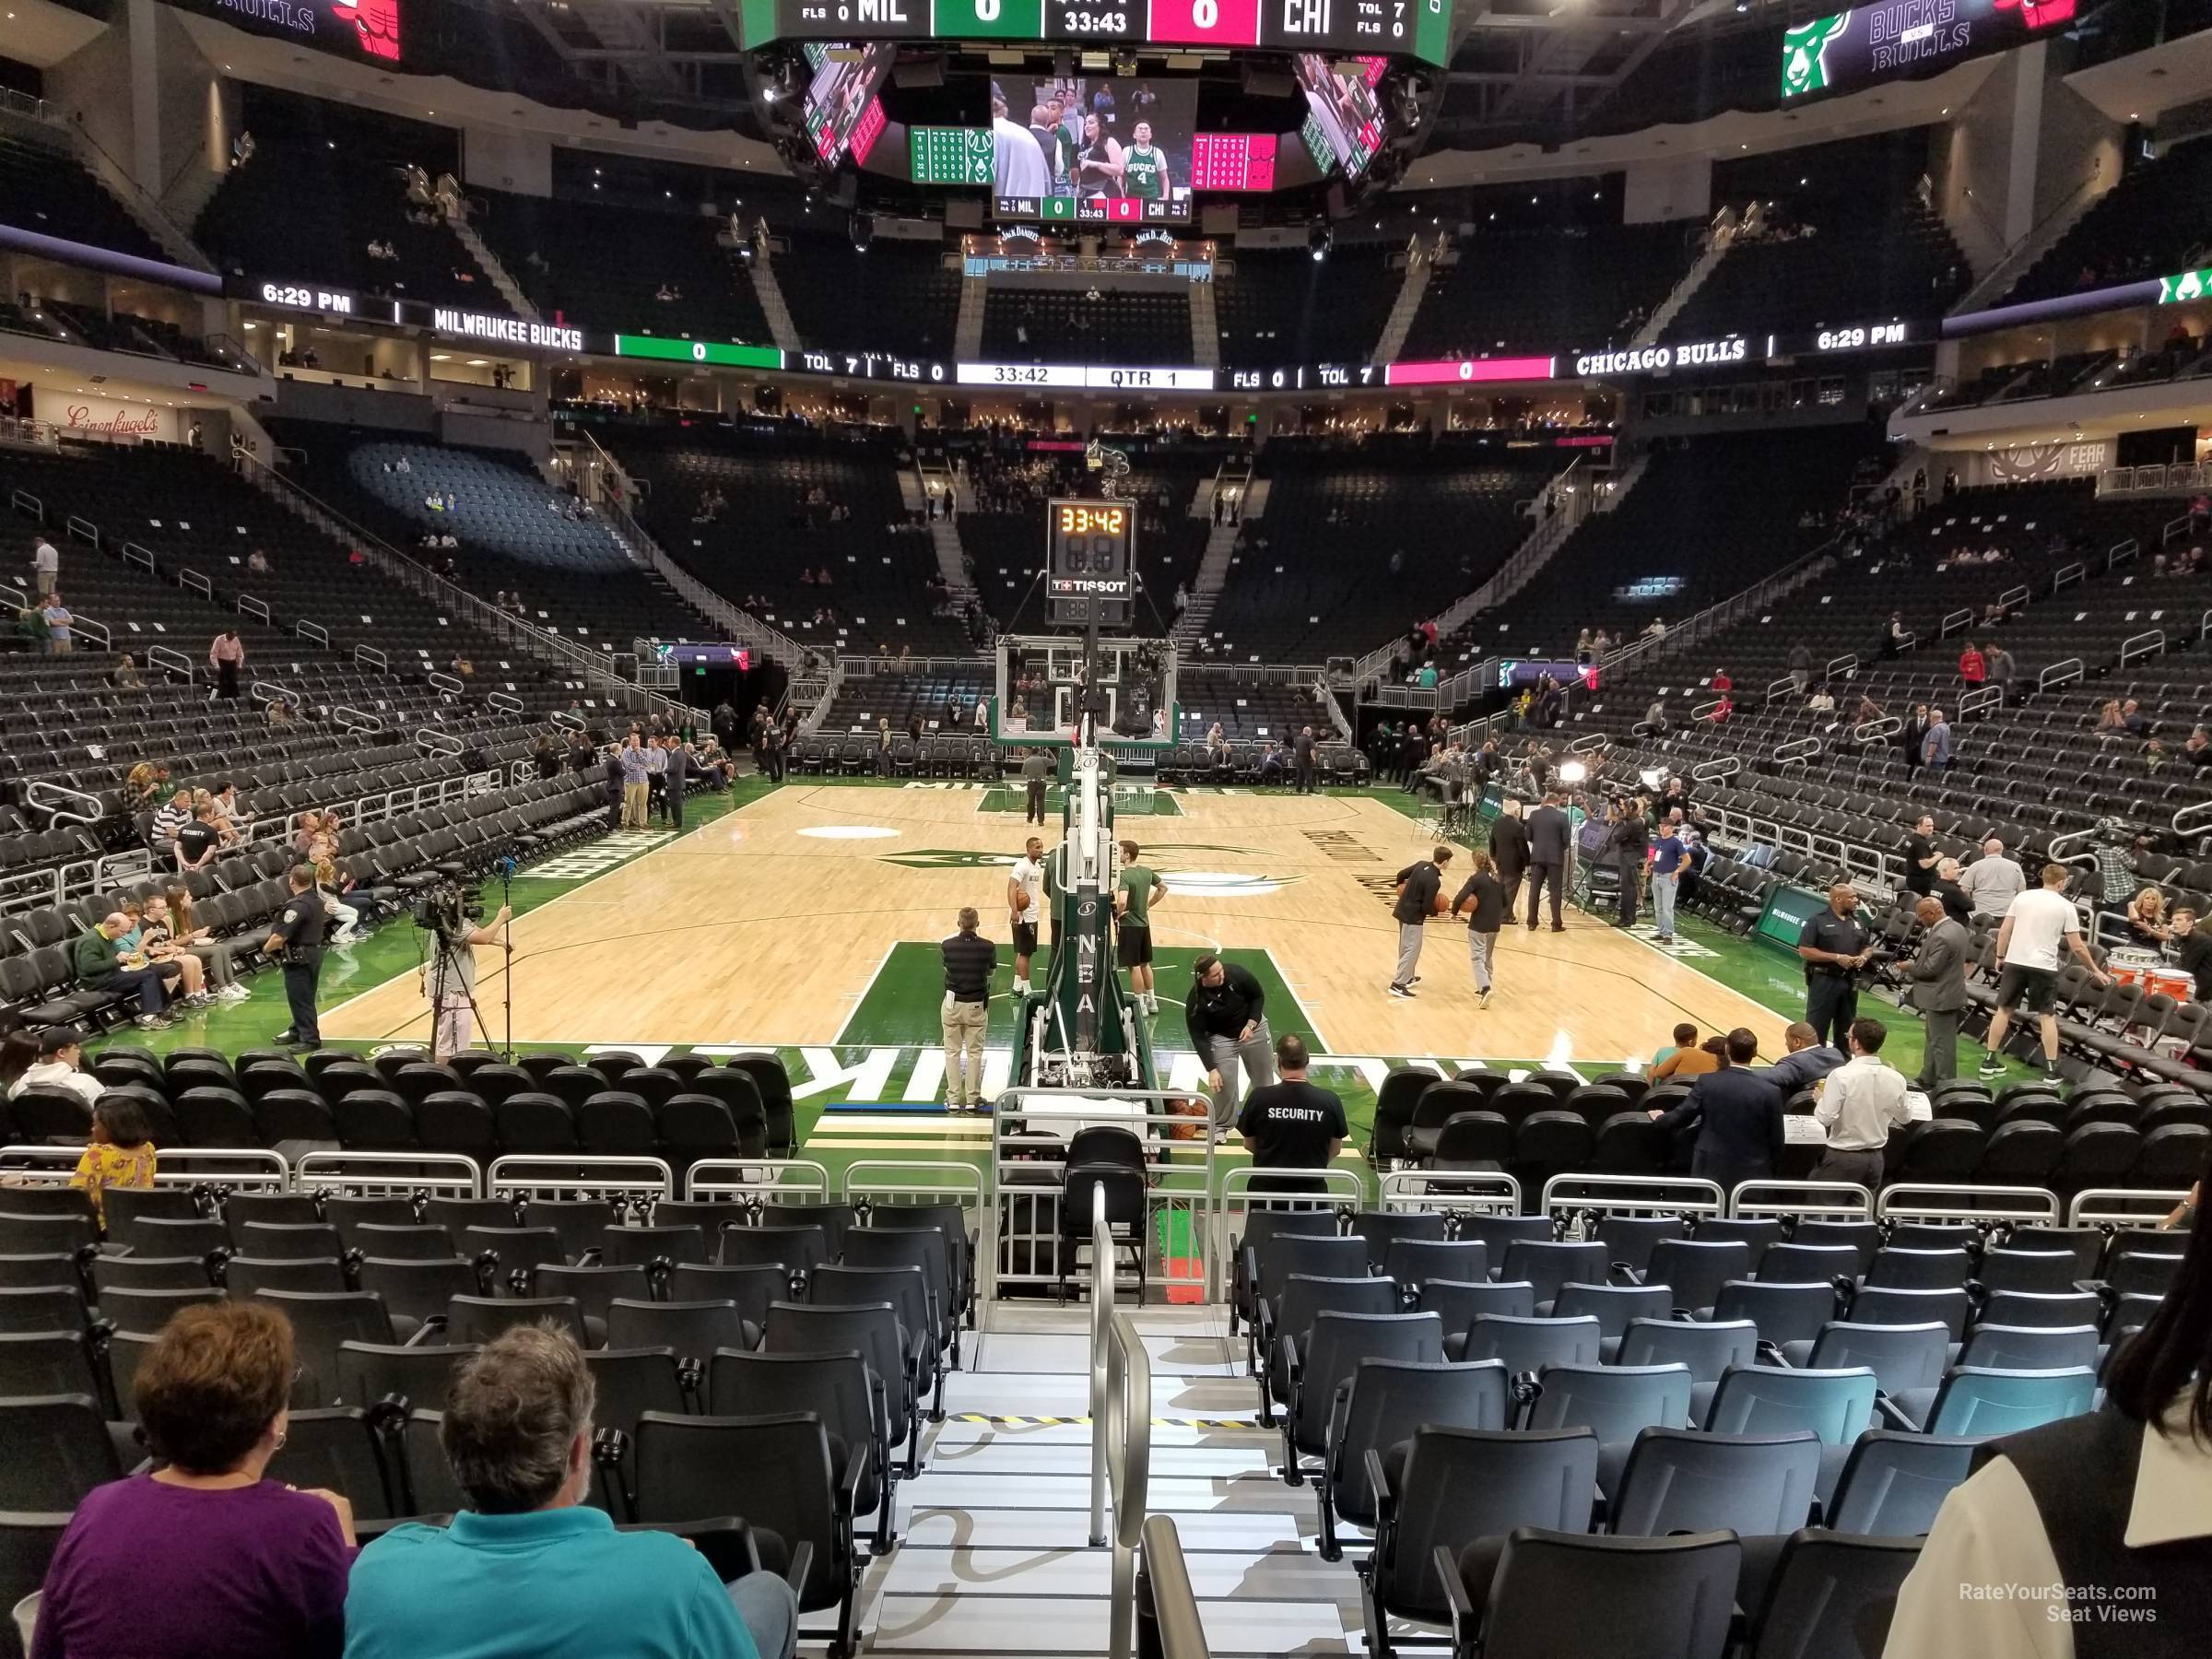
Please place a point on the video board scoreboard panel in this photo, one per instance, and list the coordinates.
(1419, 29)
(943, 155)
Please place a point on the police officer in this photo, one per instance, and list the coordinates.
(297, 942)
(1835, 945)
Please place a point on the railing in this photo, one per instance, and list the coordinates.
(740, 624)
(389, 1174)
(459, 601)
(1980, 698)
(82, 529)
(2121, 553)
(188, 579)
(1724, 613)
(761, 1180)
(1167, 1625)
(2194, 819)
(2154, 480)
(61, 804)
(251, 1168)
(2135, 647)
(540, 1175)
(312, 631)
(1581, 1197)
(2063, 577)
(2123, 1206)
(2060, 674)
(40, 433)
(1961, 617)
(258, 609)
(1822, 1200)
(369, 656)
(22, 501)
(170, 660)
(1102, 1346)
(356, 720)
(1124, 1430)
(1797, 751)
(433, 742)
(1943, 1201)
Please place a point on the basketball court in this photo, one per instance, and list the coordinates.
(805, 922)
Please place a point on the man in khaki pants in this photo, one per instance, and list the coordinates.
(636, 784)
(969, 960)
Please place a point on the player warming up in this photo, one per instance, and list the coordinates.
(1025, 897)
(1140, 889)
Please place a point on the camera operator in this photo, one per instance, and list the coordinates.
(1835, 945)
(450, 976)
(1628, 840)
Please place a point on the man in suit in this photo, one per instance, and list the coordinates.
(1301, 753)
(1938, 976)
(678, 774)
(1508, 850)
(1737, 1115)
(1550, 840)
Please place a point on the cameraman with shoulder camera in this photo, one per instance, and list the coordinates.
(449, 981)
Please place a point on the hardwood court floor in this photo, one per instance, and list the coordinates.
(770, 923)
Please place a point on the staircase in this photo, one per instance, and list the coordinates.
(1404, 308)
(1671, 306)
(1206, 327)
(968, 332)
(1213, 572)
(781, 328)
(489, 263)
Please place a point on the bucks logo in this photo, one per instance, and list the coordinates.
(1805, 54)
(2189, 285)
(951, 858)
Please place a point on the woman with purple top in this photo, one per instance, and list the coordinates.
(204, 1559)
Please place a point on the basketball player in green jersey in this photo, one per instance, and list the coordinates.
(1144, 166)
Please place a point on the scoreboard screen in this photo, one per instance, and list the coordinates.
(1232, 161)
(1344, 122)
(843, 115)
(1111, 150)
(950, 155)
(1090, 549)
(1419, 29)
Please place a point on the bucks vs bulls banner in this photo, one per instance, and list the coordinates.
(359, 28)
(1907, 38)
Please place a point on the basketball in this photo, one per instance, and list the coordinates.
(1021, 899)
(1444, 905)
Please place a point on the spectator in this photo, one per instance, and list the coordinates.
(124, 676)
(169, 915)
(234, 1563)
(1938, 976)
(2196, 749)
(199, 840)
(1921, 857)
(1949, 894)
(2036, 926)
(171, 816)
(99, 967)
(57, 1069)
(19, 1053)
(2146, 918)
(121, 1153)
(1911, 737)
(1737, 1116)
(1935, 744)
(529, 1567)
(2131, 719)
(2115, 873)
(258, 562)
(226, 656)
(1861, 1102)
(1801, 667)
(1973, 667)
(1992, 882)
(1686, 1059)
(2000, 666)
(59, 636)
(2192, 950)
(45, 566)
(1807, 1060)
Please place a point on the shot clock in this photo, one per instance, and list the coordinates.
(1089, 551)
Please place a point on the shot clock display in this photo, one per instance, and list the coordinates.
(1090, 548)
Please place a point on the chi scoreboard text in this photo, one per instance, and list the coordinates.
(1419, 29)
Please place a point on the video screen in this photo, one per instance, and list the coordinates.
(843, 115)
(1344, 122)
(1105, 148)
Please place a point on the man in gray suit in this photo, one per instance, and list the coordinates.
(1938, 976)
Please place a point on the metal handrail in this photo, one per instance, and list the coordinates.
(2150, 642)
(1674, 1194)
(1902, 1200)
(1101, 1340)
(1163, 1583)
(170, 660)
(176, 1168)
(754, 1175)
(2091, 1207)
(594, 1173)
(2060, 674)
(410, 1170)
(1126, 1428)
(1835, 1200)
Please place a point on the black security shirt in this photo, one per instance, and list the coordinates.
(1917, 878)
(1291, 1125)
(1843, 935)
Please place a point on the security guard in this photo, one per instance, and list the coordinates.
(1835, 945)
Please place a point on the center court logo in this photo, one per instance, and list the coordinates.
(964, 858)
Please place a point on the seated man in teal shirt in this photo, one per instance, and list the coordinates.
(529, 1571)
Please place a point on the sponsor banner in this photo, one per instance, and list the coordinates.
(369, 29)
(81, 416)
(1869, 45)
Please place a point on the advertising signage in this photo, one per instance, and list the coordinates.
(369, 29)
(1868, 45)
